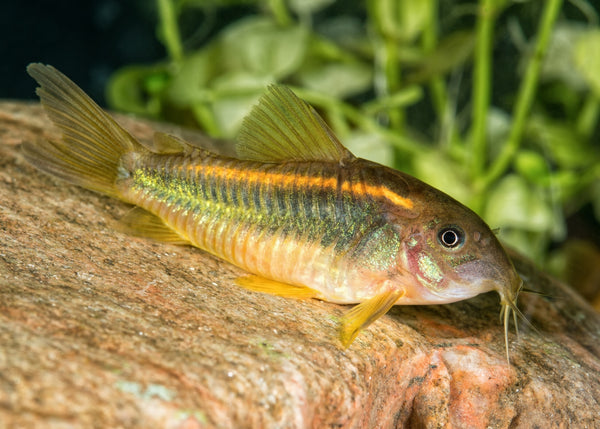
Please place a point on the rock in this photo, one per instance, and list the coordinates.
(100, 329)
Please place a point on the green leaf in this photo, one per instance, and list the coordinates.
(258, 45)
(190, 83)
(453, 51)
(230, 111)
(370, 146)
(567, 184)
(234, 94)
(560, 62)
(587, 58)
(414, 17)
(533, 167)
(525, 215)
(498, 130)
(532, 244)
(136, 89)
(564, 145)
(440, 171)
(402, 20)
(239, 82)
(513, 204)
(339, 80)
(405, 97)
(307, 7)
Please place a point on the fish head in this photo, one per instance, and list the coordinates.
(450, 254)
(447, 252)
(453, 254)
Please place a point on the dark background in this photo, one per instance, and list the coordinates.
(87, 40)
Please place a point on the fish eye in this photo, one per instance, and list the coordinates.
(451, 237)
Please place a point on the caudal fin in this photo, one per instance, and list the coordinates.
(92, 145)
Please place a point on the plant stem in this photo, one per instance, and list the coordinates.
(588, 116)
(481, 85)
(449, 137)
(385, 16)
(525, 96)
(430, 40)
(206, 118)
(391, 67)
(280, 12)
(169, 29)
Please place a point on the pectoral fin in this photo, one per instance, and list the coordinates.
(261, 284)
(141, 223)
(365, 313)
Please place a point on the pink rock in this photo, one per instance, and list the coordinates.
(100, 329)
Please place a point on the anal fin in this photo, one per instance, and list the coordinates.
(365, 313)
(273, 287)
(142, 223)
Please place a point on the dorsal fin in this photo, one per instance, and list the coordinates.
(282, 127)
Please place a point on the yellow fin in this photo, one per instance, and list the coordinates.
(282, 127)
(365, 313)
(169, 144)
(164, 144)
(92, 144)
(141, 223)
(261, 284)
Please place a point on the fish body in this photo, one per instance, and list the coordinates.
(345, 231)
(295, 208)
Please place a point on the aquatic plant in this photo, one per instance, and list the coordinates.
(494, 102)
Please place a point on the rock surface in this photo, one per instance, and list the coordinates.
(99, 329)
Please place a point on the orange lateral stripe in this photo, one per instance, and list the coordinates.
(329, 183)
(390, 195)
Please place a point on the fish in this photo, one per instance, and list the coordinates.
(294, 208)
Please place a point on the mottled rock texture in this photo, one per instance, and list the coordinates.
(99, 329)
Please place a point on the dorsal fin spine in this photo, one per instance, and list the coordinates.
(282, 127)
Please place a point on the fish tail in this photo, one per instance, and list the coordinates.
(90, 153)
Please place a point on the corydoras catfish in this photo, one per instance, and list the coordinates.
(295, 209)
